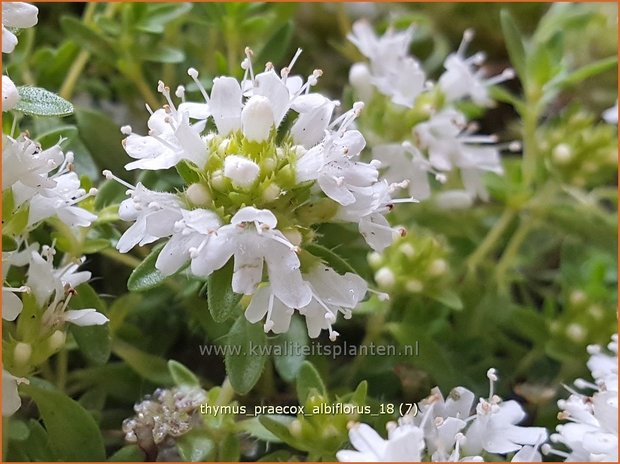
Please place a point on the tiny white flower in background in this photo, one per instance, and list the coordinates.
(451, 145)
(463, 78)
(16, 15)
(610, 115)
(11, 401)
(391, 70)
(10, 96)
(591, 433)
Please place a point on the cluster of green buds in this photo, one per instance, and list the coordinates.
(579, 151)
(416, 264)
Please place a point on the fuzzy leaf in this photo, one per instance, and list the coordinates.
(181, 374)
(146, 276)
(245, 367)
(309, 379)
(72, 431)
(221, 299)
(35, 101)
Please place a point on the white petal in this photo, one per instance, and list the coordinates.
(19, 14)
(11, 305)
(309, 128)
(335, 289)
(242, 171)
(226, 105)
(257, 118)
(194, 148)
(174, 254)
(259, 304)
(373, 229)
(269, 85)
(11, 401)
(216, 254)
(248, 268)
(85, 317)
(195, 110)
(365, 439)
(9, 41)
(251, 214)
(335, 190)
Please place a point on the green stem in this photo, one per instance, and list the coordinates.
(127, 260)
(511, 251)
(62, 365)
(530, 152)
(374, 328)
(77, 67)
(491, 239)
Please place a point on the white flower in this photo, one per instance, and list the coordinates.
(10, 96)
(16, 15)
(404, 162)
(191, 234)
(463, 78)
(494, 429)
(153, 214)
(610, 115)
(252, 238)
(450, 145)
(405, 443)
(592, 431)
(11, 401)
(24, 162)
(392, 70)
(242, 171)
(43, 279)
(59, 200)
(171, 139)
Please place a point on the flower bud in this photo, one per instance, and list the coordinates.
(454, 199)
(241, 171)
(385, 278)
(257, 118)
(361, 80)
(57, 340)
(10, 96)
(562, 154)
(271, 193)
(198, 194)
(22, 353)
(438, 267)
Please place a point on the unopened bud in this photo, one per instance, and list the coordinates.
(22, 353)
(198, 194)
(240, 170)
(57, 340)
(257, 118)
(385, 278)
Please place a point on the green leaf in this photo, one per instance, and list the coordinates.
(276, 46)
(72, 431)
(308, 379)
(360, 393)
(229, 449)
(222, 301)
(163, 54)
(245, 367)
(149, 366)
(94, 341)
(129, 453)
(279, 426)
(514, 42)
(8, 243)
(158, 15)
(88, 38)
(585, 72)
(182, 375)
(255, 428)
(146, 276)
(289, 362)
(196, 446)
(35, 101)
(338, 263)
(449, 298)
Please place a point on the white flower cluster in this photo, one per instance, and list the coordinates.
(450, 430)
(443, 140)
(52, 289)
(591, 433)
(255, 195)
(43, 182)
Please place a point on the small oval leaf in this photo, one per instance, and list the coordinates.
(35, 101)
(146, 276)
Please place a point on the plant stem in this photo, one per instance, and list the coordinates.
(77, 67)
(62, 364)
(511, 250)
(530, 152)
(491, 239)
(127, 260)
